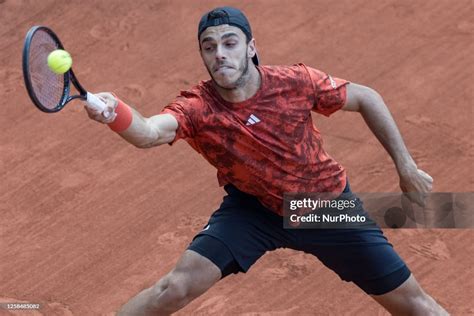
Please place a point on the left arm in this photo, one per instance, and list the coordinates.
(371, 106)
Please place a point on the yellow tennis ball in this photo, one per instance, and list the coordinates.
(59, 61)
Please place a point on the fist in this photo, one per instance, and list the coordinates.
(416, 185)
(108, 115)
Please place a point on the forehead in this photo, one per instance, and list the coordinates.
(216, 32)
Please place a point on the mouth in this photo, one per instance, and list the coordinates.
(222, 68)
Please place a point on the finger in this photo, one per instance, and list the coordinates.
(106, 113)
(416, 198)
(103, 95)
(428, 185)
(105, 98)
(421, 198)
(106, 116)
(109, 111)
(114, 101)
(425, 175)
(109, 116)
(108, 98)
(94, 115)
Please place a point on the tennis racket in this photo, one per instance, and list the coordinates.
(50, 92)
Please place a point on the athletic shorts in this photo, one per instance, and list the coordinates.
(242, 230)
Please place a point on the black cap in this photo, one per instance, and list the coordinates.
(227, 15)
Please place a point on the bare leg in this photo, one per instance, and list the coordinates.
(192, 276)
(409, 299)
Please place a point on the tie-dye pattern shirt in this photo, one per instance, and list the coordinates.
(266, 145)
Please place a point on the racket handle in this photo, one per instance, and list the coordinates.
(95, 103)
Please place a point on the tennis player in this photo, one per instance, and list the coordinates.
(253, 123)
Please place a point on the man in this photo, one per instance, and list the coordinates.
(253, 124)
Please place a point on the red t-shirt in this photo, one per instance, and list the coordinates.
(266, 145)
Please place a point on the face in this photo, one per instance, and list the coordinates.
(226, 55)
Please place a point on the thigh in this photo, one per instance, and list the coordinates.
(361, 255)
(202, 269)
(409, 299)
(217, 252)
(364, 257)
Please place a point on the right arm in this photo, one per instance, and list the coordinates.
(143, 132)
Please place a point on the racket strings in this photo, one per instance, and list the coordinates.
(47, 86)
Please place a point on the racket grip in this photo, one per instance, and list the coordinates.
(95, 103)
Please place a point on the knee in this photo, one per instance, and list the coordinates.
(178, 290)
(171, 293)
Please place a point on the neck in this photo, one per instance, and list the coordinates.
(245, 91)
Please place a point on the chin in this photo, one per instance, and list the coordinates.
(226, 83)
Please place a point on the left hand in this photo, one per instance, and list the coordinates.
(416, 185)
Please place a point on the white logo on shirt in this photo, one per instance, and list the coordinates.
(252, 120)
(333, 83)
(207, 227)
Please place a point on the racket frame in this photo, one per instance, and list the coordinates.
(68, 75)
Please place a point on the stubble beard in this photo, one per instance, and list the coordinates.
(241, 81)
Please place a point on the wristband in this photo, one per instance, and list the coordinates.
(124, 117)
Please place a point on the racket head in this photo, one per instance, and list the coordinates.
(48, 91)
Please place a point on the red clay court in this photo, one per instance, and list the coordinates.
(88, 220)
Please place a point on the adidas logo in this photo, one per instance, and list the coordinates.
(252, 120)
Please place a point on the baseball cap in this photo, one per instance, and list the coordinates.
(227, 15)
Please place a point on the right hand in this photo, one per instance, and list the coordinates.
(108, 115)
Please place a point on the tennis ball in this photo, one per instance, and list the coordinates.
(59, 61)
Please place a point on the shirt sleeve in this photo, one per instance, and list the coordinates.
(329, 92)
(184, 108)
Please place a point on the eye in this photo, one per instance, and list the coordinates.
(230, 44)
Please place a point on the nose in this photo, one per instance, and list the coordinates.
(220, 52)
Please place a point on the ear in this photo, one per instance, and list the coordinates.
(251, 48)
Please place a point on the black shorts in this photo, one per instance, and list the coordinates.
(242, 230)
